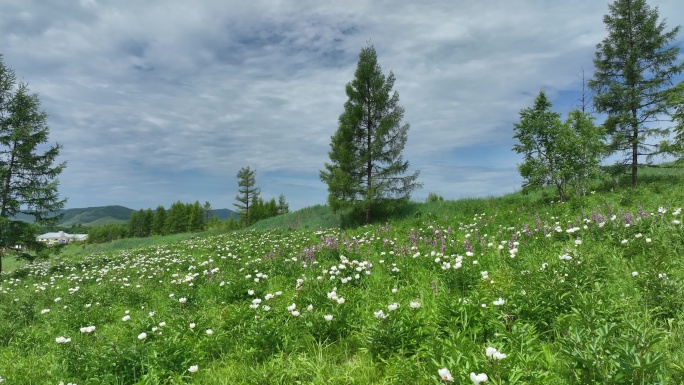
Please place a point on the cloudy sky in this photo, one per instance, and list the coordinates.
(161, 100)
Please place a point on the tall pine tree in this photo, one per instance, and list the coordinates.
(247, 192)
(366, 151)
(635, 66)
(28, 167)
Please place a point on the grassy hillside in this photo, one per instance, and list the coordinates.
(89, 216)
(92, 216)
(522, 289)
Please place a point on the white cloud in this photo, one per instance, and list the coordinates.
(157, 101)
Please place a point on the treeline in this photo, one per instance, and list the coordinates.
(179, 218)
(260, 209)
(182, 218)
(251, 207)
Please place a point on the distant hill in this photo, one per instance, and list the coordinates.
(104, 215)
(224, 214)
(95, 216)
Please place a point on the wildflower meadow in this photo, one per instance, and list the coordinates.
(516, 291)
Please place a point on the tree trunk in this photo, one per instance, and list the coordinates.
(561, 193)
(635, 148)
(369, 166)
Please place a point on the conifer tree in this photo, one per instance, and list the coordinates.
(283, 207)
(635, 66)
(28, 167)
(247, 192)
(367, 166)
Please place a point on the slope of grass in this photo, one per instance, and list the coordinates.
(526, 291)
(309, 218)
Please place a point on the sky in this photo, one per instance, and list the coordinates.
(159, 101)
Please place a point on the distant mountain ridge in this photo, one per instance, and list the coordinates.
(104, 215)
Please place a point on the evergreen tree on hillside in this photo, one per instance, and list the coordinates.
(283, 207)
(247, 193)
(271, 209)
(28, 167)
(366, 165)
(635, 66)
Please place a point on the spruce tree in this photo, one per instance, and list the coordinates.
(28, 167)
(366, 151)
(635, 67)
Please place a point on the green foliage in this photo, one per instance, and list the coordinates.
(196, 217)
(283, 207)
(675, 146)
(177, 218)
(247, 193)
(560, 154)
(635, 65)
(366, 151)
(434, 197)
(107, 233)
(207, 211)
(159, 221)
(140, 223)
(28, 172)
(407, 298)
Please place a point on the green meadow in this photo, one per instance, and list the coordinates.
(518, 289)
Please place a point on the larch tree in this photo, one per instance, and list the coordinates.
(247, 192)
(635, 66)
(366, 165)
(28, 167)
